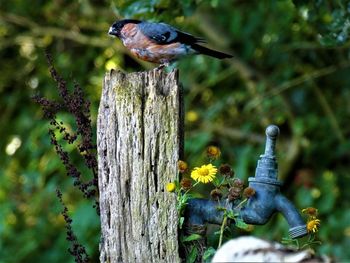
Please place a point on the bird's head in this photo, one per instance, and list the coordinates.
(118, 25)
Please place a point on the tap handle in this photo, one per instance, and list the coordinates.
(272, 131)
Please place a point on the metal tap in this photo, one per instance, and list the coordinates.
(268, 198)
(262, 205)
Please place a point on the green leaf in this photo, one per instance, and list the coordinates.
(221, 208)
(192, 256)
(181, 222)
(208, 254)
(192, 237)
(240, 224)
(217, 233)
(232, 215)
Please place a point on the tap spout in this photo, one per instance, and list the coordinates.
(202, 211)
(297, 227)
(267, 201)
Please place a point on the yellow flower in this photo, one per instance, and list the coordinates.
(249, 228)
(310, 211)
(170, 187)
(192, 116)
(204, 174)
(213, 152)
(312, 225)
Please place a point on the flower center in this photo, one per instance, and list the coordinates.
(203, 171)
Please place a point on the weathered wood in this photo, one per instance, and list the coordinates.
(139, 136)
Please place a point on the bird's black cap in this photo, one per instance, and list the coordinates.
(117, 26)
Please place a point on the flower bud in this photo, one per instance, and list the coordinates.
(170, 187)
(213, 152)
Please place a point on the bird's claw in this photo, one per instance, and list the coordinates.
(163, 65)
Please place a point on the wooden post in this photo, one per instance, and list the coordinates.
(139, 140)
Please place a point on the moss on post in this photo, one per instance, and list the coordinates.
(139, 141)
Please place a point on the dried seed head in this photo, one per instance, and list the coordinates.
(186, 183)
(225, 169)
(216, 194)
(232, 197)
(310, 211)
(235, 190)
(182, 166)
(238, 183)
(249, 192)
(234, 193)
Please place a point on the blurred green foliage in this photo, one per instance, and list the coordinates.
(291, 68)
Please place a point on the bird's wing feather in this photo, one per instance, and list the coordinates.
(163, 34)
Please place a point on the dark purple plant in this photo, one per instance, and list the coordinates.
(74, 103)
(76, 250)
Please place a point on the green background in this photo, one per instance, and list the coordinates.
(290, 67)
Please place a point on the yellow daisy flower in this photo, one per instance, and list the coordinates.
(170, 187)
(204, 174)
(312, 225)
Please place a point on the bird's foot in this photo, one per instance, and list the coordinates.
(163, 65)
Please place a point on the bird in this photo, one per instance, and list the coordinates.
(159, 43)
(253, 249)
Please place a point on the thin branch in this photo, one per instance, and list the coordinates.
(250, 76)
(232, 133)
(298, 81)
(70, 34)
(312, 46)
(73, 35)
(329, 112)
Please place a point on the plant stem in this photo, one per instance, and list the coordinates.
(241, 203)
(224, 221)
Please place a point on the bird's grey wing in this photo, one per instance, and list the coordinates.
(164, 34)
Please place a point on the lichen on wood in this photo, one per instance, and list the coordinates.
(139, 139)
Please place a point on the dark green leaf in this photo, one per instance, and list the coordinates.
(208, 254)
(193, 255)
(192, 237)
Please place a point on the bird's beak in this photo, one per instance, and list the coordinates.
(111, 32)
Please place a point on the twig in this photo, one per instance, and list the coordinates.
(224, 222)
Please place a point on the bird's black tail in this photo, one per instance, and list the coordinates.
(210, 52)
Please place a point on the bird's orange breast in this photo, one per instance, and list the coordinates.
(144, 48)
